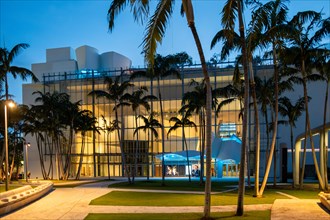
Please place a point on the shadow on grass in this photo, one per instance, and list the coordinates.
(253, 215)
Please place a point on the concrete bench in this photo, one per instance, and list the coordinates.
(17, 198)
(325, 199)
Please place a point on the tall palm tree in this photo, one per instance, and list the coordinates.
(268, 20)
(154, 34)
(163, 67)
(292, 112)
(137, 99)
(115, 92)
(182, 123)
(308, 30)
(234, 9)
(150, 125)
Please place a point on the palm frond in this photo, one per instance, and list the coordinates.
(115, 8)
(155, 30)
(15, 50)
(229, 14)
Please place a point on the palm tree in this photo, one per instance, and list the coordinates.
(182, 123)
(6, 60)
(116, 91)
(154, 34)
(292, 112)
(137, 100)
(234, 9)
(304, 40)
(163, 67)
(150, 125)
(50, 114)
(269, 20)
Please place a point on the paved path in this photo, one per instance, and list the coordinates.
(73, 203)
(298, 209)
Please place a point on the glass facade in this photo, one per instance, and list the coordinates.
(103, 146)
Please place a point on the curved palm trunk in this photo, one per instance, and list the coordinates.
(272, 148)
(325, 148)
(257, 130)
(267, 137)
(317, 170)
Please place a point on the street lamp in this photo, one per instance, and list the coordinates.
(10, 104)
(27, 145)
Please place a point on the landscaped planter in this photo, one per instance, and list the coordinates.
(17, 198)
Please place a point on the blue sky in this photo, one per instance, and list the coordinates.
(49, 24)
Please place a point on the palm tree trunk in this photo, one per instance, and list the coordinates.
(81, 156)
(257, 130)
(189, 11)
(302, 173)
(317, 170)
(272, 148)
(148, 174)
(267, 137)
(12, 163)
(163, 131)
(185, 141)
(325, 148)
(241, 184)
(136, 150)
(123, 156)
(108, 155)
(292, 155)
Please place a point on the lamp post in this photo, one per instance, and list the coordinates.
(10, 104)
(27, 145)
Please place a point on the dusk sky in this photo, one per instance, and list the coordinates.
(50, 24)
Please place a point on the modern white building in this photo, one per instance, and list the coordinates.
(78, 72)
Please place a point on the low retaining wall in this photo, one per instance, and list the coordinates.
(325, 199)
(17, 198)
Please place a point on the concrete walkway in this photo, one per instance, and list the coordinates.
(73, 203)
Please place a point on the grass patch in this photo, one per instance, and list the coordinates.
(184, 216)
(121, 198)
(11, 187)
(310, 191)
(178, 185)
(74, 183)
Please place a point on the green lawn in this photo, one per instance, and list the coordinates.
(175, 185)
(121, 198)
(71, 183)
(253, 215)
(3, 187)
